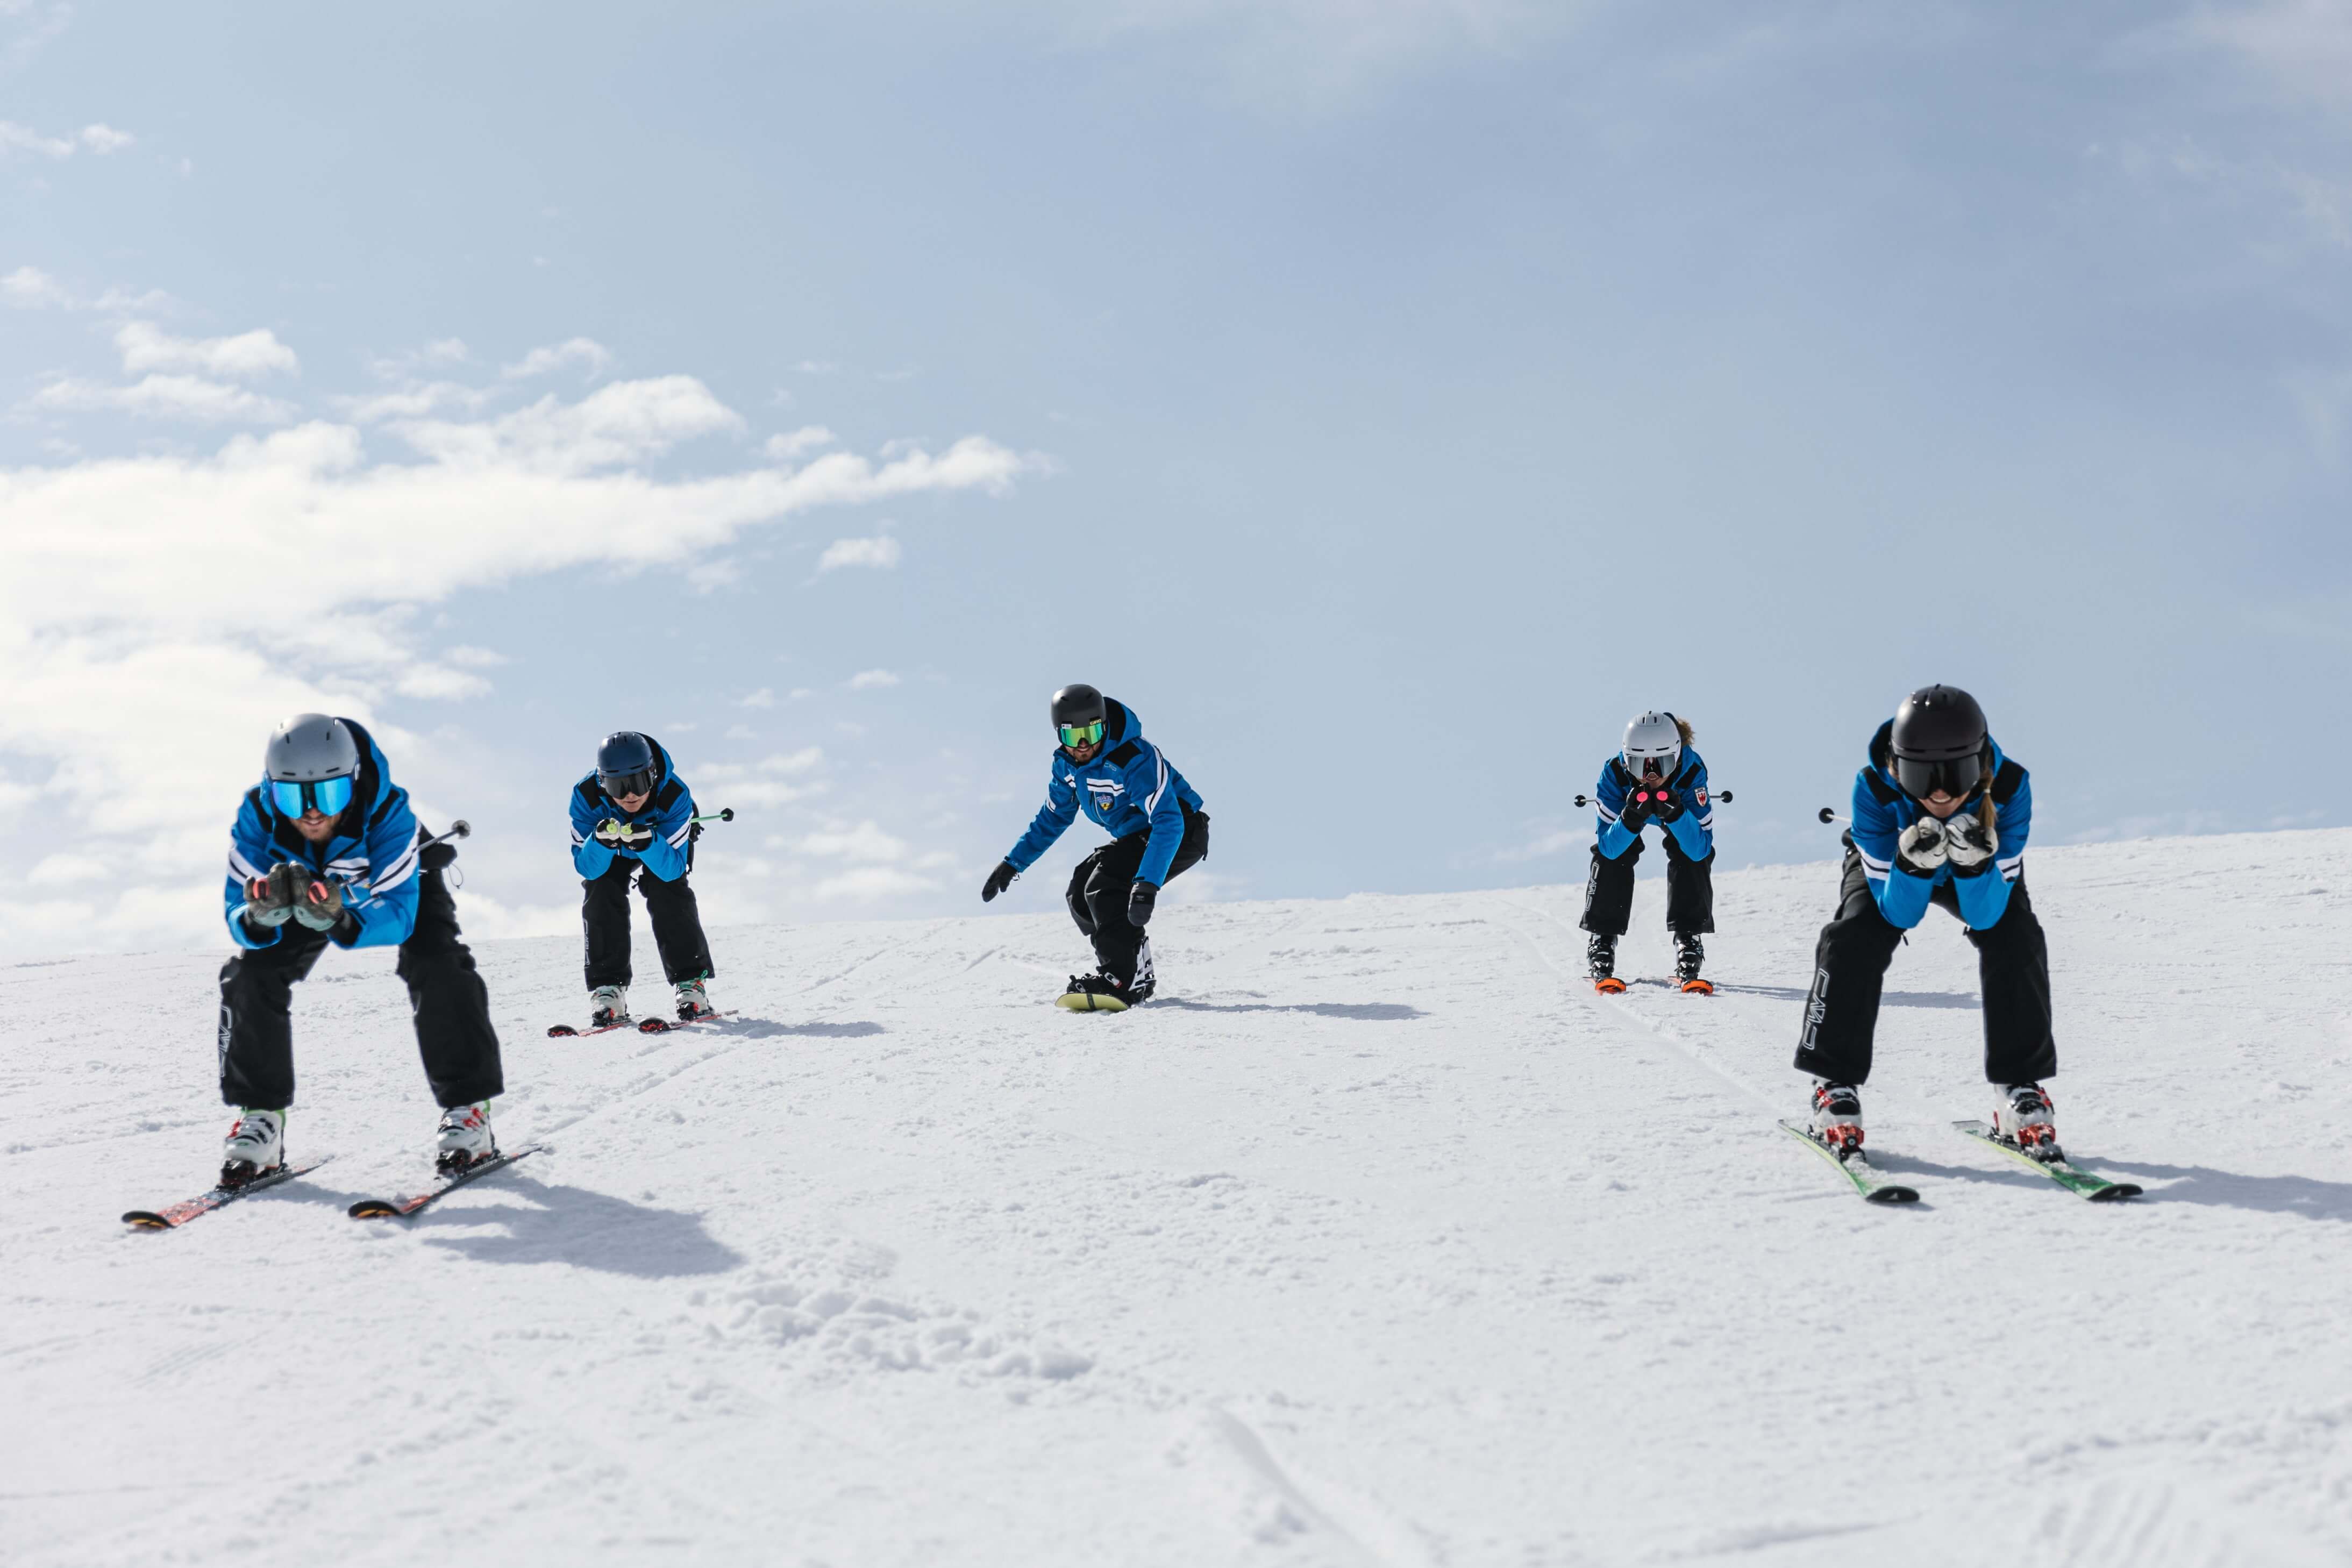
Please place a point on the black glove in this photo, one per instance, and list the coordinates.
(318, 902)
(998, 880)
(1140, 899)
(1971, 844)
(1666, 804)
(1635, 813)
(270, 899)
(1922, 847)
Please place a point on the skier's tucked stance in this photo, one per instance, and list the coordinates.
(1940, 816)
(1105, 767)
(325, 850)
(634, 817)
(1655, 776)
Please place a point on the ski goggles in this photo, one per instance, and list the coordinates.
(1654, 767)
(1954, 777)
(326, 796)
(1077, 735)
(618, 784)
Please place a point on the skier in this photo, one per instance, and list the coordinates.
(1655, 777)
(1158, 831)
(632, 813)
(1940, 816)
(325, 850)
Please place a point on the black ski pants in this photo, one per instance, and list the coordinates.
(1099, 885)
(676, 922)
(1690, 891)
(1850, 966)
(450, 1005)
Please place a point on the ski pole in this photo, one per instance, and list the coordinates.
(1724, 796)
(1829, 815)
(724, 814)
(457, 829)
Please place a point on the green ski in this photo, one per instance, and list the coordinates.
(1874, 1184)
(2074, 1178)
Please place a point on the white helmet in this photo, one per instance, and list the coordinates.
(1652, 739)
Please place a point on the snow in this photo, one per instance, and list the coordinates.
(1380, 1241)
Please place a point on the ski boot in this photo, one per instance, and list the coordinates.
(464, 1138)
(693, 1002)
(1688, 955)
(608, 1005)
(1837, 1116)
(1601, 958)
(1097, 992)
(2022, 1118)
(256, 1147)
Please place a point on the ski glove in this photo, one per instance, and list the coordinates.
(614, 835)
(1973, 843)
(1922, 847)
(270, 899)
(1140, 899)
(998, 880)
(318, 902)
(1635, 813)
(1664, 805)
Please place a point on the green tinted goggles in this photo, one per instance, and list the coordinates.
(1077, 735)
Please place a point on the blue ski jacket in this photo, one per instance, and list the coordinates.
(1128, 787)
(1882, 811)
(373, 853)
(669, 812)
(1694, 830)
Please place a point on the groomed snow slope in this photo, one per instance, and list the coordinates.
(1380, 1241)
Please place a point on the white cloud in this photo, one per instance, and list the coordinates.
(415, 402)
(882, 552)
(865, 841)
(181, 397)
(817, 367)
(868, 883)
(104, 138)
(145, 347)
(763, 698)
(584, 351)
(15, 138)
(474, 658)
(807, 439)
(2302, 46)
(30, 289)
(869, 679)
(145, 691)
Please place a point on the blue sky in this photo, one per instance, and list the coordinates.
(1386, 399)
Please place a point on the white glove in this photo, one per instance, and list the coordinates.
(1971, 844)
(1922, 847)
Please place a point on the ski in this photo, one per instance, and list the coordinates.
(664, 1025)
(403, 1207)
(174, 1215)
(1875, 1184)
(654, 1026)
(2074, 1178)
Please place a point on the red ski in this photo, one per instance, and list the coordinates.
(175, 1216)
(448, 1181)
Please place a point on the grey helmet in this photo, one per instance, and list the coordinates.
(1653, 737)
(309, 747)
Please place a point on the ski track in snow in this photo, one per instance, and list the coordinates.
(1381, 1241)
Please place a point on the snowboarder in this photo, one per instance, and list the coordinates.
(1655, 776)
(325, 850)
(1158, 830)
(1940, 816)
(635, 814)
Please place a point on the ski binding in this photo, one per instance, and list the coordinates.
(1875, 1184)
(2074, 1178)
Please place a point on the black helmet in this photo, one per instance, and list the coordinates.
(1079, 709)
(624, 763)
(1939, 742)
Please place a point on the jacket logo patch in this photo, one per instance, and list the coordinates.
(1702, 798)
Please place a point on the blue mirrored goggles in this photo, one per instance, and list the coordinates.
(327, 796)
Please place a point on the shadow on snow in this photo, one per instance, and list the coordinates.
(767, 1029)
(1374, 1011)
(586, 1229)
(1967, 999)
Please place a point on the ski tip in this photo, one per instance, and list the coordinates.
(654, 1026)
(1892, 1195)
(141, 1219)
(1608, 987)
(557, 1031)
(372, 1208)
(2115, 1192)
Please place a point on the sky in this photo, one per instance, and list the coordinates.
(1386, 399)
